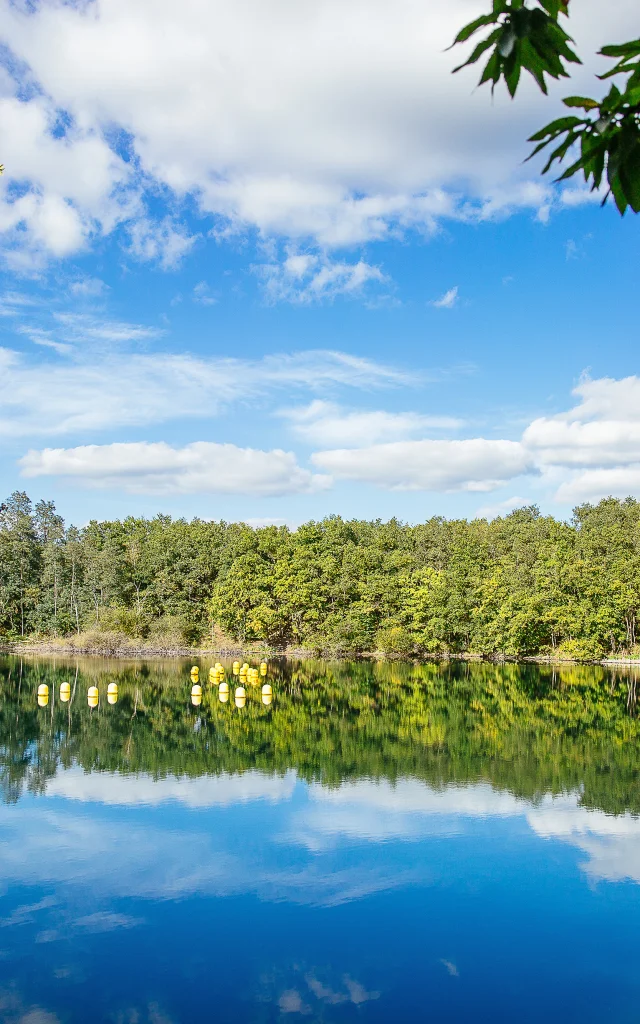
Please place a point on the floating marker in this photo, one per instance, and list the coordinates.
(43, 690)
(240, 702)
(92, 702)
(212, 675)
(235, 667)
(267, 698)
(196, 699)
(223, 696)
(112, 698)
(245, 667)
(65, 692)
(112, 688)
(219, 667)
(241, 692)
(195, 671)
(224, 687)
(267, 689)
(196, 690)
(92, 691)
(263, 668)
(43, 700)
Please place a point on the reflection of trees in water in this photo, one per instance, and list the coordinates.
(528, 729)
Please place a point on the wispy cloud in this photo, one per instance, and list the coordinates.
(309, 277)
(448, 300)
(327, 423)
(99, 390)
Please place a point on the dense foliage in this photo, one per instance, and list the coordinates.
(528, 729)
(524, 584)
(602, 144)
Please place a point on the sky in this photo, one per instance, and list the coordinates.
(271, 261)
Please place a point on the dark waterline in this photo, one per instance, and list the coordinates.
(381, 842)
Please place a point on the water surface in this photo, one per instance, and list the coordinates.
(380, 843)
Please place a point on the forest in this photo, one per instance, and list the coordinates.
(517, 586)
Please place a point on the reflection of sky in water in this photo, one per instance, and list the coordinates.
(262, 898)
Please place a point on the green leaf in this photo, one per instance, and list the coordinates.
(584, 102)
(561, 124)
(473, 26)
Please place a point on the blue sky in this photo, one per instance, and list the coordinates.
(275, 262)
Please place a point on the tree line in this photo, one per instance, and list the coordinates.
(521, 585)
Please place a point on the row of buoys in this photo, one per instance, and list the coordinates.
(240, 695)
(93, 694)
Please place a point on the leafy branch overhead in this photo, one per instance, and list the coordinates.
(603, 144)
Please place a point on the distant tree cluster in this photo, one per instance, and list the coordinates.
(521, 585)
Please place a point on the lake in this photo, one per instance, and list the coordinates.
(375, 842)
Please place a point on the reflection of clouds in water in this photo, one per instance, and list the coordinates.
(293, 1001)
(204, 791)
(106, 922)
(108, 855)
(14, 1011)
(377, 811)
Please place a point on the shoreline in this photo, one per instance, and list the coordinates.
(124, 651)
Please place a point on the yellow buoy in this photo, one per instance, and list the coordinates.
(245, 667)
(241, 692)
(223, 696)
(92, 691)
(112, 698)
(112, 688)
(212, 675)
(43, 690)
(219, 667)
(195, 671)
(267, 689)
(196, 690)
(92, 702)
(196, 699)
(65, 692)
(267, 698)
(43, 700)
(240, 702)
(263, 668)
(235, 667)
(224, 687)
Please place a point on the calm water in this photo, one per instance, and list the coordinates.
(380, 843)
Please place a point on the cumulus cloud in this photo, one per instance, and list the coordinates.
(471, 465)
(596, 444)
(156, 468)
(338, 123)
(325, 423)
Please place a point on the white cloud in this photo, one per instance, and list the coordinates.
(119, 790)
(448, 300)
(156, 468)
(327, 423)
(102, 390)
(79, 327)
(596, 444)
(88, 288)
(202, 295)
(165, 242)
(336, 122)
(501, 508)
(470, 465)
(304, 278)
